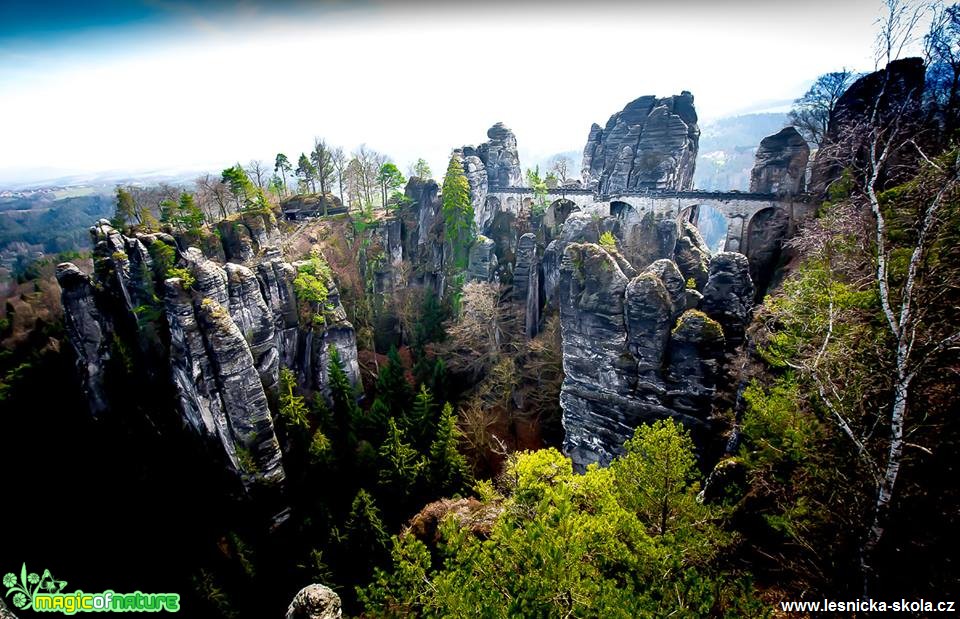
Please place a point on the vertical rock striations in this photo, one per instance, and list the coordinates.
(526, 283)
(729, 293)
(422, 234)
(223, 332)
(482, 265)
(476, 174)
(493, 165)
(780, 165)
(650, 144)
(499, 156)
(218, 385)
(88, 331)
(634, 348)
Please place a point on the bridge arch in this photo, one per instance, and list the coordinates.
(558, 211)
(763, 244)
(710, 222)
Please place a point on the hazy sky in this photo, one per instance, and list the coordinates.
(160, 84)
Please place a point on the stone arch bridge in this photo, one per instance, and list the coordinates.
(738, 208)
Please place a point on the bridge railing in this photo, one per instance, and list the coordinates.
(529, 191)
(661, 194)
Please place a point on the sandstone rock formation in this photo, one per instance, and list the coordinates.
(422, 229)
(246, 235)
(221, 331)
(88, 331)
(625, 361)
(636, 348)
(500, 157)
(315, 602)
(696, 344)
(729, 293)
(478, 181)
(219, 388)
(692, 255)
(895, 90)
(764, 246)
(780, 165)
(482, 264)
(493, 165)
(526, 283)
(650, 144)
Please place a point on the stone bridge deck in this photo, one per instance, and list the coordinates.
(560, 193)
(737, 207)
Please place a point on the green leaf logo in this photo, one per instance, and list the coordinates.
(28, 585)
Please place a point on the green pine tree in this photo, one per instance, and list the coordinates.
(429, 327)
(126, 213)
(293, 408)
(421, 169)
(365, 535)
(344, 407)
(307, 174)
(400, 469)
(419, 422)
(449, 472)
(243, 190)
(458, 216)
(656, 477)
(282, 165)
(375, 421)
(392, 385)
(189, 217)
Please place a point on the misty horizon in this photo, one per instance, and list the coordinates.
(168, 86)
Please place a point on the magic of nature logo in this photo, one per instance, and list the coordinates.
(44, 593)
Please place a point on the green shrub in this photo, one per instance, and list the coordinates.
(185, 275)
(608, 241)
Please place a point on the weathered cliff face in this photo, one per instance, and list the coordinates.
(780, 165)
(88, 331)
(382, 258)
(246, 235)
(637, 349)
(276, 280)
(482, 266)
(765, 247)
(315, 341)
(692, 255)
(422, 234)
(477, 178)
(493, 165)
(218, 384)
(729, 293)
(650, 144)
(526, 283)
(895, 90)
(500, 157)
(223, 330)
(644, 237)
